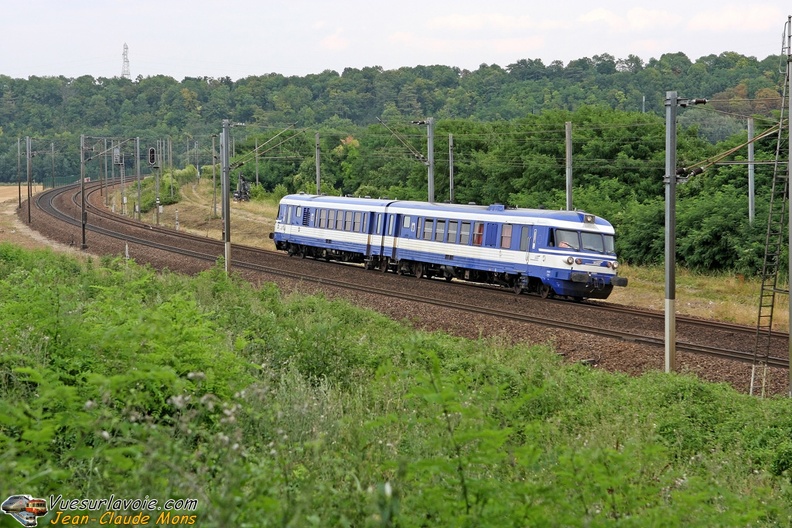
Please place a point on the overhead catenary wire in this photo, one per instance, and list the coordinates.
(699, 167)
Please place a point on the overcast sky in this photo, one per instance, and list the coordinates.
(240, 38)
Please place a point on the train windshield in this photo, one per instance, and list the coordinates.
(582, 240)
(567, 239)
(597, 242)
(592, 242)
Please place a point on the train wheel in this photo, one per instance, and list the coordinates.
(517, 288)
(418, 270)
(448, 277)
(383, 264)
(545, 291)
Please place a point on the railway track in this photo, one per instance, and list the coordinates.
(628, 324)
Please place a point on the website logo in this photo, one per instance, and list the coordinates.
(25, 509)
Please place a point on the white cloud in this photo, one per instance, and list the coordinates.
(481, 21)
(516, 46)
(761, 17)
(631, 20)
(335, 42)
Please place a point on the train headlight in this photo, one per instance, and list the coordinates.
(578, 261)
(570, 260)
(615, 264)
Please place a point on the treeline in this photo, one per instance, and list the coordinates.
(506, 125)
(618, 169)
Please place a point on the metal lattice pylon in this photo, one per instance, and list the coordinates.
(774, 243)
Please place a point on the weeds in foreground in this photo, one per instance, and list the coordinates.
(302, 411)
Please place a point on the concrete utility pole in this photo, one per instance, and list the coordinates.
(430, 155)
(104, 180)
(157, 176)
(429, 122)
(29, 172)
(568, 131)
(671, 103)
(137, 174)
(19, 170)
(670, 233)
(318, 164)
(52, 146)
(214, 182)
(225, 141)
(751, 197)
(83, 214)
(450, 168)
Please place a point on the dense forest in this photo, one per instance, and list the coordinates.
(504, 129)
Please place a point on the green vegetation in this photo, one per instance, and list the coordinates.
(507, 124)
(302, 411)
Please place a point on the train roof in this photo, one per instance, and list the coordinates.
(545, 215)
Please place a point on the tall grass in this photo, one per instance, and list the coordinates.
(302, 411)
(725, 296)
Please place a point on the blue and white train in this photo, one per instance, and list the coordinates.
(551, 253)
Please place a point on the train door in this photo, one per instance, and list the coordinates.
(394, 230)
(491, 235)
(370, 225)
(386, 220)
(526, 239)
(379, 229)
(287, 219)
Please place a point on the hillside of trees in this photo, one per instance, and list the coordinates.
(507, 125)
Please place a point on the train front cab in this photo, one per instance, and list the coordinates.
(579, 264)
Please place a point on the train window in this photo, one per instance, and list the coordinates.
(478, 233)
(506, 236)
(609, 245)
(464, 237)
(288, 215)
(348, 221)
(299, 211)
(322, 218)
(356, 224)
(379, 224)
(440, 230)
(406, 222)
(525, 233)
(427, 229)
(592, 241)
(567, 239)
(452, 231)
(390, 226)
(340, 220)
(331, 218)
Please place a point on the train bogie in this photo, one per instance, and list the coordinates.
(550, 253)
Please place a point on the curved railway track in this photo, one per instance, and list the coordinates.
(624, 323)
